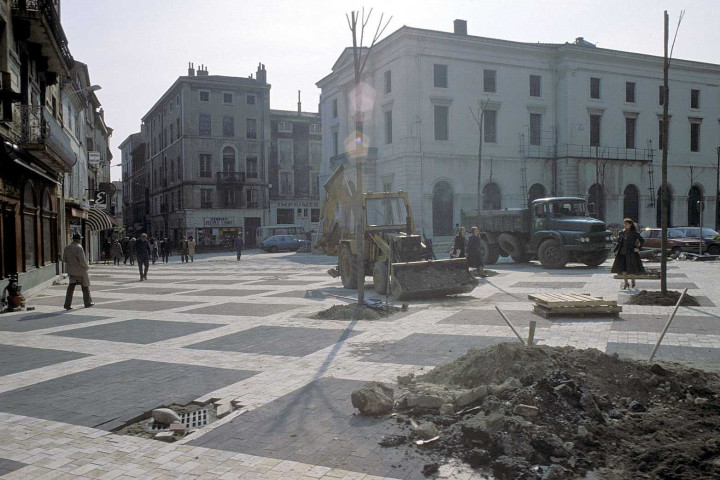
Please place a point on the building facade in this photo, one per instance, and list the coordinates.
(558, 119)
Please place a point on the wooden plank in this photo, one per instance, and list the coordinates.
(575, 310)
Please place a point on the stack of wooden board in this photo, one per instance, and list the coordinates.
(572, 304)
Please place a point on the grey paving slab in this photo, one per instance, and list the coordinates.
(8, 466)
(243, 309)
(59, 300)
(698, 356)
(519, 318)
(15, 359)
(39, 321)
(153, 290)
(316, 424)
(203, 281)
(704, 325)
(148, 305)
(281, 282)
(269, 340)
(138, 331)
(507, 298)
(107, 397)
(427, 349)
(93, 288)
(553, 285)
(229, 292)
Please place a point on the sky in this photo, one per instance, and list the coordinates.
(136, 49)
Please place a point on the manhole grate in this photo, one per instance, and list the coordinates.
(196, 419)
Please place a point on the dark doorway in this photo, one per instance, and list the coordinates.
(693, 214)
(536, 191)
(631, 203)
(492, 199)
(596, 199)
(659, 207)
(251, 226)
(442, 209)
(9, 247)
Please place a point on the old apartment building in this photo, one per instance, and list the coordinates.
(559, 119)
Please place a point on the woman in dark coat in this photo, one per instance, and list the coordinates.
(458, 250)
(627, 256)
(474, 252)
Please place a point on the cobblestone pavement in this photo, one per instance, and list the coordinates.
(229, 331)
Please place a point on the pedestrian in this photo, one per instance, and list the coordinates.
(239, 244)
(131, 248)
(182, 246)
(458, 250)
(627, 253)
(126, 252)
(474, 252)
(191, 249)
(153, 249)
(77, 269)
(107, 249)
(142, 253)
(165, 250)
(117, 252)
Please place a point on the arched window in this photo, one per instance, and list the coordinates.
(491, 197)
(596, 198)
(228, 159)
(631, 203)
(658, 206)
(536, 191)
(442, 209)
(48, 229)
(694, 195)
(29, 214)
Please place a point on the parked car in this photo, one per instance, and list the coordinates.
(711, 238)
(283, 242)
(678, 242)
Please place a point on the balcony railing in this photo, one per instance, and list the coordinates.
(568, 150)
(51, 17)
(39, 132)
(230, 177)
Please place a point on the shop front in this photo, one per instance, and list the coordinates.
(296, 212)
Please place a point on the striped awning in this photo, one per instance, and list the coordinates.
(99, 220)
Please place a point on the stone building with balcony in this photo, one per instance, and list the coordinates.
(559, 119)
(34, 58)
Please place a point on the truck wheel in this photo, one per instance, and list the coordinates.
(521, 258)
(714, 249)
(489, 253)
(346, 265)
(552, 254)
(380, 277)
(510, 244)
(594, 259)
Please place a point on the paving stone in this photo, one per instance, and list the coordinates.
(138, 331)
(243, 309)
(77, 303)
(507, 298)
(428, 349)
(148, 305)
(519, 318)
(699, 356)
(283, 282)
(202, 281)
(549, 285)
(153, 290)
(7, 466)
(15, 359)
(108, 396)
(316, 424)
(287, 341)
(39, 321)
(228, 292)
(703, 325)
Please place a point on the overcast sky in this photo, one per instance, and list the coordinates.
(135, 49)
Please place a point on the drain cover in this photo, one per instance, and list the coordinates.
(195, 419)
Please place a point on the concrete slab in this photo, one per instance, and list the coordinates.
(142, 332)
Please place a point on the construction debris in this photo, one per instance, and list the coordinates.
(355, 312)
(373, 399)
(667, 299)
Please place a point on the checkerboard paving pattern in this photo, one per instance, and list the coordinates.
(226, 331)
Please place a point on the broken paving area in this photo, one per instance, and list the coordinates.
(556, 412)
(357, 312)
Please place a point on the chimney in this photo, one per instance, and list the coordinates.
(202, 70)
(261, 74)
(299, 104)
(191, 70)
(460, 27)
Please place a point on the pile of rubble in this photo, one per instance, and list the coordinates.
(554, 413)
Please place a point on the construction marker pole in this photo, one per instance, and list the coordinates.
(510, 325)
(531, 333)
(667, 325)
(387, 287)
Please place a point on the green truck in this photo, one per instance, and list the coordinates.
(554, 230)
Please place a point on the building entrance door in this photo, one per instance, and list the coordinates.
(9, 252)
(251, 225)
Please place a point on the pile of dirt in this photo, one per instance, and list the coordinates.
(558, 412)
(355, 312)
(484, 273)
(667, 299)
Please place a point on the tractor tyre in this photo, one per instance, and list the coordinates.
(347, 266)
(552, 254)
(380, 278)
(489, 253)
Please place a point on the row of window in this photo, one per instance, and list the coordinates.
(287, 127)
(205, 126)
(228, 98)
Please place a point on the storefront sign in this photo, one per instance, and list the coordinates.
(9, 190)
(93, 158)
(77, 213)
(297, 204)
(217, 222)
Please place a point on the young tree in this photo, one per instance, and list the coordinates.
(479, 119)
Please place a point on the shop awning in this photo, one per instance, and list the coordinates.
(99, 220)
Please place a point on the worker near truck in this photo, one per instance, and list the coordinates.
(627, 256)
(458, 250)
(474, 252)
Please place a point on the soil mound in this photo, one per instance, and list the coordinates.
(559, 412)
(667, 299)
(355, 312)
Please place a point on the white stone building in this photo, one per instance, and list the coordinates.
(560, 119)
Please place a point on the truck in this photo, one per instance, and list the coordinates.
(393, 254)
(554, 230)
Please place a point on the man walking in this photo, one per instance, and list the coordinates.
(77, 269)
(165, 250)
(239, 244)
(131, 250)
(117, 252)
(143, 253)
(126, 253)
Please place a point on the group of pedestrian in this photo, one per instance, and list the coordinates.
(186, 246)
(470, 248)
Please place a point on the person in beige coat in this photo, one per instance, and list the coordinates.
(77, 269)
(191, 249)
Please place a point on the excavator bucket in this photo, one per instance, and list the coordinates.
(431, 278)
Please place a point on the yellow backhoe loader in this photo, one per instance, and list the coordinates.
(388, 234)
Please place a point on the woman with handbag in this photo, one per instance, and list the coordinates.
(627, 253)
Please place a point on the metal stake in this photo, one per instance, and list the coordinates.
(531, 333)
(667, 325)
(510, 325)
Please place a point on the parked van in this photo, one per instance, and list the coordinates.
(269, 230)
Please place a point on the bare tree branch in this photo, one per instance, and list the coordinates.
(680, 18)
